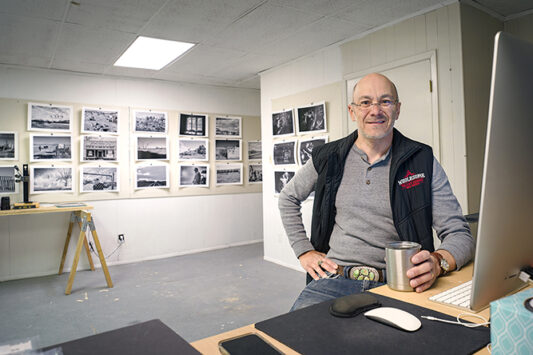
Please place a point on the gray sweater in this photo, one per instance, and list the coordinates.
(364, 223)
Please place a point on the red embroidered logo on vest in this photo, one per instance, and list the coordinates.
(411, 180)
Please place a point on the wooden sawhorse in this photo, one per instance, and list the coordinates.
(84, 221)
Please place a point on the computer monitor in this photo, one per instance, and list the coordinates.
(505, 228)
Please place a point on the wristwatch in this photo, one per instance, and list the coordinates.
(443, 263)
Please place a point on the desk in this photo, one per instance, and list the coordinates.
(210, 345)
(151, 337)
(81, 216)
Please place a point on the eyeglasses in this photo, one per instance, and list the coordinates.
(383, 103)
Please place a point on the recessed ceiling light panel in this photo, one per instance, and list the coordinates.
(152, 53)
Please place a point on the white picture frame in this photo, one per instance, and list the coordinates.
(284, 152)
(312, 118)
(305, 147)
(148, 148)
(99, 120)
(283, 123)
(49, 117)
(228, 174)
(193, 149)
(151, 176)
(9, 145)
(228, 149)
(51, 179)
(149, 121)
(193, 125)
(50, 147)
(99, 148)
(255, 173)
(99, 178)
(8, 183)
(193, 175)
(255, 150)
(228, 126)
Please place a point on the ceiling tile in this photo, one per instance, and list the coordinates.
(380, 12)
(23, 36)
(197, 20)
(507, 8)
(91, 45)
(120, 15)
(131, 72)
(319, 7)
(265, 24)
(205, 60)
(318, 35)
(49, 9)
(79, 65)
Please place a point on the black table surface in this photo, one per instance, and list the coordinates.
(151, 337)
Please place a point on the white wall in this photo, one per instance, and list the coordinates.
(154, 227)
(438, 30)
(321, 68)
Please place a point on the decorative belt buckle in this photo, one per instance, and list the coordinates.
(364, 273)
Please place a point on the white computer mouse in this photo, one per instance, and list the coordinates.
(395, 317)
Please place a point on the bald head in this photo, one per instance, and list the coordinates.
(374, 80)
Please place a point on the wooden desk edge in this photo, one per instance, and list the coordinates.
(45, 209)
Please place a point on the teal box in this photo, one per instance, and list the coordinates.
(511, 325)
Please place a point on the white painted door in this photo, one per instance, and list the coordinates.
(417, 119)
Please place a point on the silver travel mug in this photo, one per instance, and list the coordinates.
(398, 258)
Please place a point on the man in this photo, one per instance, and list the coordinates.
(372, 187)
(197, 179)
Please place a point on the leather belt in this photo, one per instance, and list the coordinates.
(362, 273)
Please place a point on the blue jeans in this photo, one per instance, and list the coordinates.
(327, 289)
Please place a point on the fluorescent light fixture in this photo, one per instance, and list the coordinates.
(151, 53)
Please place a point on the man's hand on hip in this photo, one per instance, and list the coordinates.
(315, 263)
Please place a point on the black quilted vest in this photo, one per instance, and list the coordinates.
(410, 176)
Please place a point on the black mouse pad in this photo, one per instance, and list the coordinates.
(313, 330)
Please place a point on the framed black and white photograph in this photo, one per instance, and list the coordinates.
(281, 179)
(196, 175)
(99, 178)
(228, 149)
(191, 124)
(50, 147)
(306, 147)
(48, 117)
(285, 152)
(153, 176)
(99, 148)
(228, 127)
(255, 150)
(99, 120)
(283, 123)
(9, 145)
(50, 178)
(193, 149)
(311, 119)
(8, 185)
(150, 122)
(152, 148)
(255, 173)
(229, 174)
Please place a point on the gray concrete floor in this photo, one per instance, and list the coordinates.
(196, 295)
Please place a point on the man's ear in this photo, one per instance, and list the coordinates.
(352, 113)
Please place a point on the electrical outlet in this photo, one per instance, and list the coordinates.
(121, 238)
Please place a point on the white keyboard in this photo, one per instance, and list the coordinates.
(458, 296)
